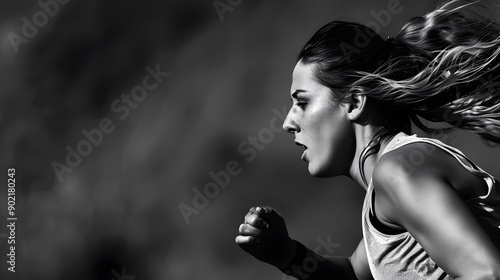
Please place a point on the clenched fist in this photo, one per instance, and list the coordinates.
(264, 236)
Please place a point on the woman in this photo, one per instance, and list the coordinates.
(429, 212)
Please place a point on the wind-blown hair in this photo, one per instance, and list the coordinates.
(440, 68)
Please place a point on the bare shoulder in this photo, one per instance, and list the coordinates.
(406, 175)
(416, 163)
(411, 162)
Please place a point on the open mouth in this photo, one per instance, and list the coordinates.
(305, 151)
(300, 144)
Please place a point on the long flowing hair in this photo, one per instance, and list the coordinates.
(443, 67)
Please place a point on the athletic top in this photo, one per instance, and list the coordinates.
(400, 256)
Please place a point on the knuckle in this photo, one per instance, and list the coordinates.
(246, 217)
(252, 219)
(242, 228)
(261, 222)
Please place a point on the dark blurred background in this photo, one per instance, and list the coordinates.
(115, 214)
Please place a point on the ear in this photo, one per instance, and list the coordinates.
(357, 106)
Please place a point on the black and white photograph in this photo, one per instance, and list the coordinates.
(238, 139)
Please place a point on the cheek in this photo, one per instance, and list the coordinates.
(331, 153)
(322, 120)
(336, 139)
(332, 131)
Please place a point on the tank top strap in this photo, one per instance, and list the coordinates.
(402, 139)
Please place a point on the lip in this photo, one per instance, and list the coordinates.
(300, 144)
(303, 157)
(303, 146)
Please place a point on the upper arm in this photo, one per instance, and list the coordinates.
(433, 213)
(359, 263)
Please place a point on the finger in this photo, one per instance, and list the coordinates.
(244, 240)
(250, 212)
(261, 210)
(268, 214)
(256, 221)
(249, 230)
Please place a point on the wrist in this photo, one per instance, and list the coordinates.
(295, 256)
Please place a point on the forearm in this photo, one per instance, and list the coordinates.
(309, 265)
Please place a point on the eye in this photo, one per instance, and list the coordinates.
(301, 105)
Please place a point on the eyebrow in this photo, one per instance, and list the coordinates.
(297, 92)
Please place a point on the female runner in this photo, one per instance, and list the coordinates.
(429, 212)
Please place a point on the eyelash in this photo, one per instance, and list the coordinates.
(301, 105)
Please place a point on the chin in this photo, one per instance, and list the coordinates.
(322, 172)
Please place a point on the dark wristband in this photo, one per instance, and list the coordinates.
(300, 255)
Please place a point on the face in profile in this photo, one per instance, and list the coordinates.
(320, 125)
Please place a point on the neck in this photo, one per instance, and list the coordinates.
(363, 136)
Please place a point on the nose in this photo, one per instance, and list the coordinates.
(290, 125)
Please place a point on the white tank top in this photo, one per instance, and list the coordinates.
(400, 256)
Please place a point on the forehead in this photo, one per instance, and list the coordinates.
(303, 77)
